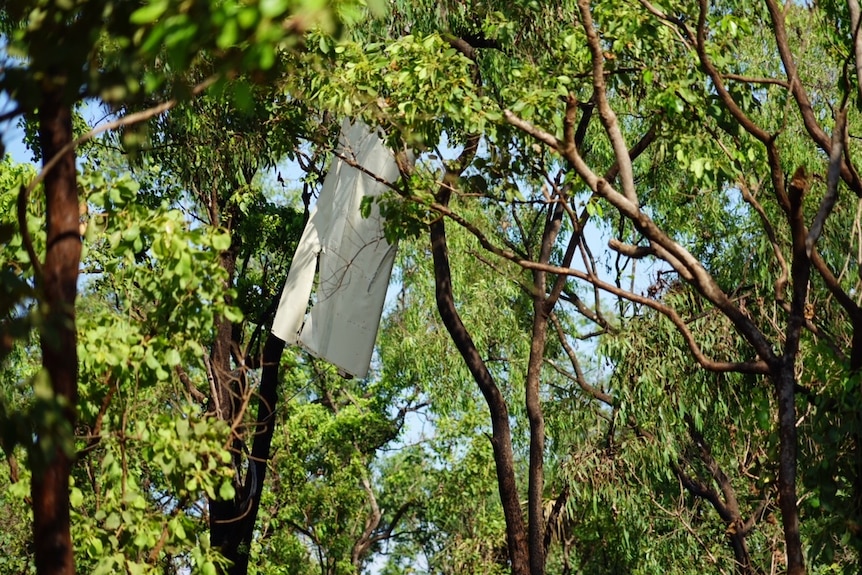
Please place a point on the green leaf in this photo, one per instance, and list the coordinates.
(112, 522)
(221, 241)
(233, 314)
(76, 497)
(172, 357)
(150, 12)
(228, 34)
(698, 166)
(273, 8)
(226, 491)
(177, 529)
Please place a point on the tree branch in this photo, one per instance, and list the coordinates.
(678, 257)
(834, 173)
(127, 120)
(606, 113)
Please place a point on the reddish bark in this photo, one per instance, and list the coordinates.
(52, 541)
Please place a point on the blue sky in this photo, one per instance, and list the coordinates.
(13, 135)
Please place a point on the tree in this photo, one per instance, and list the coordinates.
(593, 119)
(104, 50)
(715, 406)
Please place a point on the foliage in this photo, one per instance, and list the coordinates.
(697, 383)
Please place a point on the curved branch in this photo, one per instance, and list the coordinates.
(576, 365)
(757, 366)
(783, 278)
(754, 367)
(606, 113)
(128, 120)
(700, 46)
(677, 256)
(806, 110)
(501, 438)
(831, 196)
(750, 80)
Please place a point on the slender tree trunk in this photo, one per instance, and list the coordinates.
(225, 516)
(536, 526)
(501, 439)
(785, 383)
(742, 557)
(855, 368)
(267, 402)
(542, 307)
(784, 377)
(52, 541)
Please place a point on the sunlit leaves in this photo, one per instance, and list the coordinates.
(167, 281)
(149, 480)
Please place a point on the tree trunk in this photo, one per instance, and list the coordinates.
(501, 439)
(536, 526)
(742, 557)
(542, 307)
(785, 384)
(243, 528)
(52, 542)
(855, 368)
(225, 515)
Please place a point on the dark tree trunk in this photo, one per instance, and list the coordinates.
(742, 557)
(501, 439)
(53, 460)
(232, 521)
(238, 530)
(784, 377)
(542, 307)
(226, 401)
(855, 369)
(785, 384)
(535, 503)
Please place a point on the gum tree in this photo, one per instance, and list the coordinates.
(635, 115)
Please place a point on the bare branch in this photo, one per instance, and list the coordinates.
(855, 22)
(606, 113)
(747, 123)
(576, 365)
(759, 366)
(537, 133)
(834, 173)
(781, 282)
(365, 541)
(750, 80)
(679, 26)
(704, 491)
(666, 248)
(636, 252)
(806, 110)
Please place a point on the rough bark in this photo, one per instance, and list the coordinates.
(784, 377)
(542, 307)
(52, 543)
(725, 503)
(536, 418)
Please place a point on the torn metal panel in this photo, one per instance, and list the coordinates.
(352, 255)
